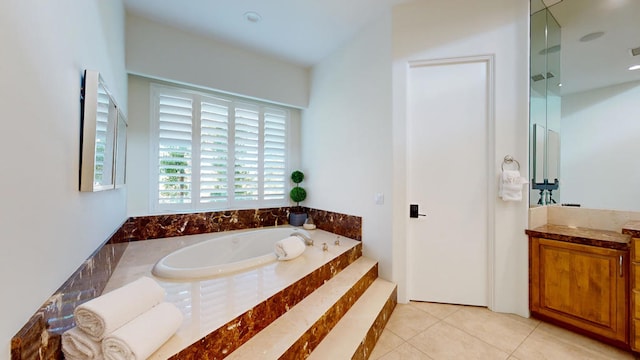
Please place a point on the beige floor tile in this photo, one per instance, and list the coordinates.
(444, 342)
(387, 342)
(551, 342)
(407, 321)
(438, 310)
(405, 352)
(502, 331)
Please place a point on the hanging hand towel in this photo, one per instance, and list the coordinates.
(77, 345)
(511, 185)
(289, 248)
(106, 313)
(142, 336)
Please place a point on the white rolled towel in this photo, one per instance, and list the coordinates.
(77, 345)
(289, 248)
(142, 336)
(104, 314)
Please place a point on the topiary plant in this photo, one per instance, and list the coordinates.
(297, 194)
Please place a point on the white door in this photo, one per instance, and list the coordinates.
(447, 152)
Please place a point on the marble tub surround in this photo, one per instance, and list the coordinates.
(41, 335)
(585, 236)
(171, 225)
(340, 224)
(221, 313)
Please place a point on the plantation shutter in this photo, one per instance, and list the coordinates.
(274, 150)
(174, 149)
(214, 150)
(217, 152)
(246, 147)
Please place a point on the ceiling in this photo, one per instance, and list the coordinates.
(305, 32)
(603, 61)
(301, 32)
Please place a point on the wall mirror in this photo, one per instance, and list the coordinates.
(583, 112)
(103, 137)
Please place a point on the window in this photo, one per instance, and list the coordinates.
(216, 152)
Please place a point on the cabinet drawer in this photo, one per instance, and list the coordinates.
(635, 276)
(635, 335)
(635, 249)
(635, 305)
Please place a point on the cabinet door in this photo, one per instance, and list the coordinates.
(583, 286)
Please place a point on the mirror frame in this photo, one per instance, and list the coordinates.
(101, 162)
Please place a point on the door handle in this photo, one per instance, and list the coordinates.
(413, 211)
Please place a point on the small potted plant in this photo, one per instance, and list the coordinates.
(297, 216)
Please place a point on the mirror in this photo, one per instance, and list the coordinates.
(583, 98)
(120, 157)
(103, 132)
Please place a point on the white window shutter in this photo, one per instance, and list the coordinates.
(174, 149)
(246, 152)
(217, 152)
(274, 153)
(214, 151)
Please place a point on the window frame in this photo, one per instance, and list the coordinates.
(231, 203)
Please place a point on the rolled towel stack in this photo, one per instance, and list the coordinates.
(143, 335)
(110, 311)
(289, 248)
(77, 345)
(135, 305)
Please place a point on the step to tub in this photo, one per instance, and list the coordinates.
(356, 334)
(297, 332)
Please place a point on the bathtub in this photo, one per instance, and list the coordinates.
(222, 255)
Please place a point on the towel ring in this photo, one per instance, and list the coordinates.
(510, 160)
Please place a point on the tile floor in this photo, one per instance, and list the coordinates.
(424, 331)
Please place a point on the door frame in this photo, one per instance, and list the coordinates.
(489, 61)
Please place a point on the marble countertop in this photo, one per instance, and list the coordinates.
(585, 236)
(632, 228)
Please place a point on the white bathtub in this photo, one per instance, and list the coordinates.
(222, 255)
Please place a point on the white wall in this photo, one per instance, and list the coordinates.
(600, 147)
(139, 144)
(451, 28)
(48, 227)
(163, 52)
(346, 136)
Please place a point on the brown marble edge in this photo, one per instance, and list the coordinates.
(632, 228)
(584, 236)
(40, 337)
(223, 341)
(172, 225)
(366, 346)
(340, 224)
(314, 335)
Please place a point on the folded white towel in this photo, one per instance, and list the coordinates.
(76, 344)
(140, 337)
(104, 314)
(289, 248)
(510, 188)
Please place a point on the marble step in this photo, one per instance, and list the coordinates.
(298, 331)
(356, 334)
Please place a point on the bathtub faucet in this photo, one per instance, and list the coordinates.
(304, 236)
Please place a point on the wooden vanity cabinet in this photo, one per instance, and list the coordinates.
(635, 294)
(582, 286)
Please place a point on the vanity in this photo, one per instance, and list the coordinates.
(587, 280)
